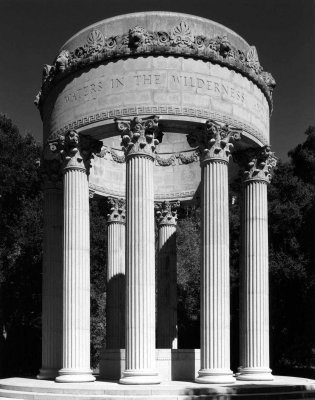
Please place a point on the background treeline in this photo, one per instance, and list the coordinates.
(292, 260)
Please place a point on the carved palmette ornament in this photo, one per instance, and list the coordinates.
(139, 136)
(96, 39)
(76, 150)
(182, 34)
(252, 59)
(166, 212)
(117, 210)
(214, 141)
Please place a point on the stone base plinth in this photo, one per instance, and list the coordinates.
(279, 389)
(171, 364)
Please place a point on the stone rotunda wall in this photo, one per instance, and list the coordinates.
(184, 69)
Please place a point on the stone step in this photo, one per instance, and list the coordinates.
(283, 388)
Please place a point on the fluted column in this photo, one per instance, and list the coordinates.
(139, 145)
(215, 279)
(115, 293)
(76, 152)
(254, 327)
(52, 269)
(166, 332)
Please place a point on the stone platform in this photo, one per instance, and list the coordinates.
(283, 388)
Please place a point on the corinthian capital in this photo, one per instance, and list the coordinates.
(214, 141)
(257, 163)
(117, 210)
(166, 212)
(139, 135)
(76, 150)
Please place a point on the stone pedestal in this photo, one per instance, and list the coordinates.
(76, 152)
(215, 279)
(115, 291)
(166, 332)
(52, 281)
(254, 319)
(138, 140)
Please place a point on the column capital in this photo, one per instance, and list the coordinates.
(75, 151)
(117, 210)
(140, 136)
(166, 212)
(214, 141)
(257, 163)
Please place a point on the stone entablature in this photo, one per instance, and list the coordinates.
(137, 41)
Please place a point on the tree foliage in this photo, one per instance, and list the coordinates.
(20, 249)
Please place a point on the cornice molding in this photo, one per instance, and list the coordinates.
(180, 41)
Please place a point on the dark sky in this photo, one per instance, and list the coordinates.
(32, 31)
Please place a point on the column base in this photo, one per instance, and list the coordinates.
(140, 377)
(215, 376)
(47, 373)
(67, 375)
(254, 374)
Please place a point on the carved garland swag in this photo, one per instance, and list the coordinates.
(180, 41)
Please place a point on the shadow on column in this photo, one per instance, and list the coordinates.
(166, 329)
(115, 312)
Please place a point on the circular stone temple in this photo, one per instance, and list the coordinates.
(147, 109)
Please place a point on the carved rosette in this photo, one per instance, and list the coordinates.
(166, 212)
(76, 150)
(117, 210)
(139, 136)
(215, 141)
(258, 164)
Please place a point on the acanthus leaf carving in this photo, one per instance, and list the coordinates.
(214, 141)
(76, 150)
(257, 163)
(139, 135)
(166, 212)
(117, 210)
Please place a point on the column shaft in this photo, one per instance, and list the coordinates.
(167, 289)
(140, 273)
(52, 284)
(115, 301)
(76, 279)
(254, 334)
(215, 302)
